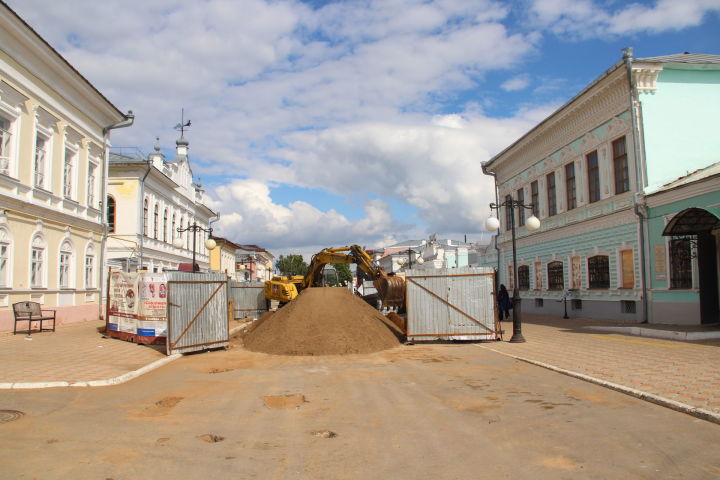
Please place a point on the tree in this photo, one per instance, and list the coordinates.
(291, 265)
(343, 273)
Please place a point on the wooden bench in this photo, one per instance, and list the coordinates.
(31, 312)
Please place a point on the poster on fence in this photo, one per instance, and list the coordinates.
(152, 313)
(123, 302)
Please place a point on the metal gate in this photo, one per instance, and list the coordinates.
(248, 299)
(451, 304)
(197, 306)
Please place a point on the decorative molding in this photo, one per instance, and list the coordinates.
(646, 77)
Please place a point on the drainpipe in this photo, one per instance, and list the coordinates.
(639, 197)
(126, 122)
(497, 202)
(141, 214)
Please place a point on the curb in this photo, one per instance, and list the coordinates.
(648, 397)
(664, 334)
(93, 383)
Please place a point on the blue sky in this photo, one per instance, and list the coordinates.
(322, 123)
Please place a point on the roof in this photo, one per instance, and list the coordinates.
(225, 241)
(686, 57)
(251, 248)
(697, 175)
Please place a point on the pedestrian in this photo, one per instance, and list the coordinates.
(504, 303)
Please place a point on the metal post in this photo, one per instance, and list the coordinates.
(517, 336)
(194, 230)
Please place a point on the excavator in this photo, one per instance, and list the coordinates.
(391, 289)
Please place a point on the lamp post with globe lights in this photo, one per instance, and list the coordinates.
(532, 224)
(194, 228)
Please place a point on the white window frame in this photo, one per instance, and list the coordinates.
(7, 139)
(5, 258)
(70, 171)
(89, 267)
(38, 260)
(91, 184)
(41, 162)
(65, 265)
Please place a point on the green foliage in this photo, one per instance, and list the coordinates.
(343, 273)
(291, 265)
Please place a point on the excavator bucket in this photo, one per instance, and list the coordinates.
(391, 290)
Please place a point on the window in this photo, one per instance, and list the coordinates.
(599, 271)
(680, 263)
(91, 185)
(551, 195)
(593, 173)
(37, 263)
(620, 166)
(535, 198)
(145, 217)
(41, 145)
(90, 267)
(571, 194)
(508, 212)
(68, 171)
(165, 225)
(5, 137)
(524, 277)
(173, 232)
(4, 258)
(65, 259)
(156, 221)
(556, 279)
(111, 214)
(521, 211)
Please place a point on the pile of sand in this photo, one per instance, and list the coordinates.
(323, 321)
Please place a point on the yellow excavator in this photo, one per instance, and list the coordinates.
(391, 289)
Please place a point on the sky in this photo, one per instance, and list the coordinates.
(323, 123)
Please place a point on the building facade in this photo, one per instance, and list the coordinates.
(148, 200)
(222, 257)
(253, 263)
(54, 131)
(587, 171)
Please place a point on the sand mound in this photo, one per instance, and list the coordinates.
(323, 321)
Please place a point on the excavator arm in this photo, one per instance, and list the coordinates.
(391, 289)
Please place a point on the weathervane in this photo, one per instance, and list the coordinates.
(182, 125)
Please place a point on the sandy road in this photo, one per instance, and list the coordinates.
(421, 412)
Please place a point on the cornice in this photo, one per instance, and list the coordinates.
(21, 207)
(683, 192)
(607, 99)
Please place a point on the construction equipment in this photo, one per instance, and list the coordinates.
(391, 289)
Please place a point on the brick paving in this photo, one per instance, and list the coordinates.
(683, 372)
(73, 353)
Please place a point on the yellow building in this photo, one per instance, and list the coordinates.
(222, 257)
(54, 133)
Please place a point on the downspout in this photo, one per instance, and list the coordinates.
(639, 197)
(141, 215)
(126, 122)
(497, 202)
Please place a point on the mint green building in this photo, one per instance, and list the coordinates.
(623, 178)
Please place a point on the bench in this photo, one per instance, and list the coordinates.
(31, 312)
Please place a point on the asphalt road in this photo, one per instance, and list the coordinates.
(414, 412)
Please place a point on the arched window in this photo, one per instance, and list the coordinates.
(599, 272)
(111, 214)
(37, 262)
(145, 217)
(165, 226)
(556, 278)
(156, 221)
(90, 266)
(524, 277)
(5, 256)
(65, 266)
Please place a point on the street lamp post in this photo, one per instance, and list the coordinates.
(194, 228)
(532, 224)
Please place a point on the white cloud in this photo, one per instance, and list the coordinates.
(665, 15)
(520, 82)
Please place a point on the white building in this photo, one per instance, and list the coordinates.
(54, 130)
(253, 263)
(148, 201)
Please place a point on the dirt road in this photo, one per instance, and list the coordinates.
(420, 412)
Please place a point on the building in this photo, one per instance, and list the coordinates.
(151, 202)
(253, 263)
(222, 257)
(594, 172)
(54, 131)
